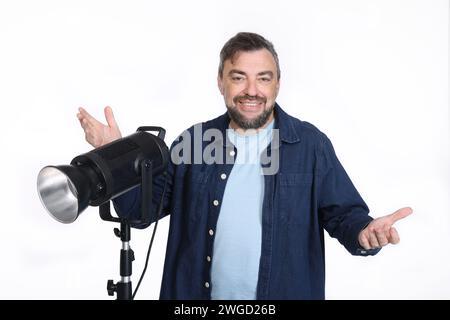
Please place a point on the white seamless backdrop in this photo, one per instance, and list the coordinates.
(373, 75)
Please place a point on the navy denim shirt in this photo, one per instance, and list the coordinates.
(310, 192)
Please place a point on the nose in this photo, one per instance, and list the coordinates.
(251, 88)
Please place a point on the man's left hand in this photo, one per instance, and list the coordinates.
(380, 232)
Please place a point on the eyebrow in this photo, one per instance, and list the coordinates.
(266, 73)
(262, 73)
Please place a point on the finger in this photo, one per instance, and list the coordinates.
(80, 117)
(86, 114)
(86, 124)
(381, 238)
(110, 117)
(364, 242)
(394, 238)
(373, 240)
(400, 214)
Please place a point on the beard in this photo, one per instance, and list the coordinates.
(245, 123)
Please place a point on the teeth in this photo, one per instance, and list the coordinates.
(250, 103)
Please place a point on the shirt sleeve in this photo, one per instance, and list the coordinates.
(342, 210)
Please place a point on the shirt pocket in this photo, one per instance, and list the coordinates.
(295, 190)
(196, 191)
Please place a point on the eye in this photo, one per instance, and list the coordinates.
(237, 78)
(265, 79)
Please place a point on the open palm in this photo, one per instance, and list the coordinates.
(96, 133)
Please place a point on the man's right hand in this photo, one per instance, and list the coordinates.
(96, 133)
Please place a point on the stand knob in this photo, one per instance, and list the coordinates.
(111, 287)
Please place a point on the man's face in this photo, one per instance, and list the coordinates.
(249, 85)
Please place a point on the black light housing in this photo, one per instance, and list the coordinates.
(102, 174)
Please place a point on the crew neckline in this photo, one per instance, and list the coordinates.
(259, 133)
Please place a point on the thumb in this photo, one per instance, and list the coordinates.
(400, 214)
(110, 117)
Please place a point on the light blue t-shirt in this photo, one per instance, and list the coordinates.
(237, 245)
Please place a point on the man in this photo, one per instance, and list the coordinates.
(252, 227)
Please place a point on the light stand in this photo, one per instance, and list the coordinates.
(123, 288)
(96, 177)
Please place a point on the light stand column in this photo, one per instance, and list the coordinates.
(123, 287)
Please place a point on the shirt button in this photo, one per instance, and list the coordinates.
(232, 153)
(223, 176)
(206, 284)
(211, 232)
(208, 258)
(216, 203)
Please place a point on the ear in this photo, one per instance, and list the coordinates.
(220, 84)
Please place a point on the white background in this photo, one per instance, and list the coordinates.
(373, 75)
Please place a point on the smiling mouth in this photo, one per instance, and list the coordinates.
(253, 103)
(250, 105)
